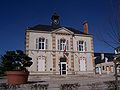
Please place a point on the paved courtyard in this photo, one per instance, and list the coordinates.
(72, 82)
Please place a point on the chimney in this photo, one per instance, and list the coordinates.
(102, 56)
(85, 25)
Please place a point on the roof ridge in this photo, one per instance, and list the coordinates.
(45, 27)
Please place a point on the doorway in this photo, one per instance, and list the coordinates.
(63, 68)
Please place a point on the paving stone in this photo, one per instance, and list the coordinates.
(54, 82)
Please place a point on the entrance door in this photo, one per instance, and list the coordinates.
(63, 68)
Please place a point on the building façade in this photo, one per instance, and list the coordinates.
(57, 49)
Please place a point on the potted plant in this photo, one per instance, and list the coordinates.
(14, 64)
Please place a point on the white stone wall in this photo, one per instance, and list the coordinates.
(34, 53)
(34, 35)
(108, 68)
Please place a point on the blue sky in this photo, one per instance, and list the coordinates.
(17, 15)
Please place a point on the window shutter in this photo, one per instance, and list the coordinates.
(58, 44)
(37, 43)
(85, 46)
(77, 46)
(67, 44)
(46, 43)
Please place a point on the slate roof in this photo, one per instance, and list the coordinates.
(98, 60)
(50, 28)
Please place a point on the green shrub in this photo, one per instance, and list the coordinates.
(15, 60)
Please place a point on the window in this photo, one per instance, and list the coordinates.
(103, 68)
(41, 43)
(81, 46)
(63, 44)
(41, 63)
(82, 64)
(112, 69)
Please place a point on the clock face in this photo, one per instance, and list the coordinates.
(56, 21)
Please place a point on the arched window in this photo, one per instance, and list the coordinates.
(41, 43)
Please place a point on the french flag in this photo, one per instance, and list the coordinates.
(65, 54)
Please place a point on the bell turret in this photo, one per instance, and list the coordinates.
(55, 20)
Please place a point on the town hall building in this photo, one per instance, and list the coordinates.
(57, 49)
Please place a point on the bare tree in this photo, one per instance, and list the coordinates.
(113, 32)
(112, 37)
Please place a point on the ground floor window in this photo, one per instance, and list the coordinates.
(112, 69)
(82, 64)
(41, 63)
(103, 68)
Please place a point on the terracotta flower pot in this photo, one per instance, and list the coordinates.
(17, 77)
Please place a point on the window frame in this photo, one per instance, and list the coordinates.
(83, 60)
(41, 43)
(63, 44)
(81, 46)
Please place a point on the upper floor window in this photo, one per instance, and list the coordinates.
(41, 43)
(81, 46)
(63, 44)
